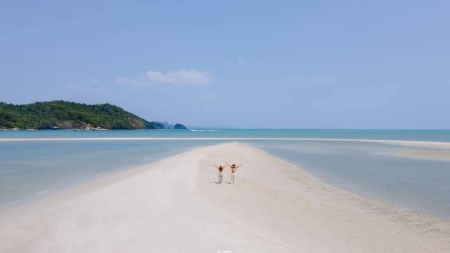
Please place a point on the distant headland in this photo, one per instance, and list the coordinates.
(71, 115)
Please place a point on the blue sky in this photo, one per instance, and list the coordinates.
(247, 64)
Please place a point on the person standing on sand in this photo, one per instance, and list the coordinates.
(233, 172)
(220, 168)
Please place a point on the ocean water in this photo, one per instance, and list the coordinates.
(413, 135)
(32, 166)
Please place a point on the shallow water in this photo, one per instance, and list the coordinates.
(32, 169)
(373, 170)
(29, 170)
(418, 135)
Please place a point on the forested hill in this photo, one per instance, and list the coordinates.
(70, 115)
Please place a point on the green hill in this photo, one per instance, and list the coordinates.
(69, 115)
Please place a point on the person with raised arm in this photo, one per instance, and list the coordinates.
(233, 172)
(220, 168)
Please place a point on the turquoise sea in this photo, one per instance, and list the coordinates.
(34, 164)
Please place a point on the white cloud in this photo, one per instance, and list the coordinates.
(182, 76)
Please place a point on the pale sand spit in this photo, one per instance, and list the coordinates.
(428, 154)
(176, 205)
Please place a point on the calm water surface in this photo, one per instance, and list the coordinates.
(32, 169)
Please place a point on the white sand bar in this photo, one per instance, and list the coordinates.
(175, 205)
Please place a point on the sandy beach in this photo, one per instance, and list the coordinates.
(177, 205)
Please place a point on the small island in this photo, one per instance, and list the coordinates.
(70, 115)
